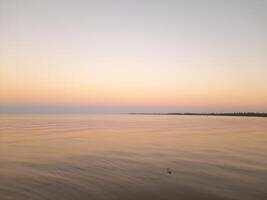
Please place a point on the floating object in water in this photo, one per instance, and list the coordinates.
(169, 171)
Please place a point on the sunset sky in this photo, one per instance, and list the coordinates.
(133, 56)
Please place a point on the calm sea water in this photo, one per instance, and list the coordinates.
(61, 157)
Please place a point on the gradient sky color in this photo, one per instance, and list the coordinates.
(133, 56)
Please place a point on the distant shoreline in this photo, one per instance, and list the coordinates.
(238, 114)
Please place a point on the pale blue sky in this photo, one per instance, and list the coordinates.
(119, 56)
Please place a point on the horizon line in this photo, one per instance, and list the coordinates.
(244, 114)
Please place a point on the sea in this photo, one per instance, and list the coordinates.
(132, 157)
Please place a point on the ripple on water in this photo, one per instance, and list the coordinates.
(116, 157)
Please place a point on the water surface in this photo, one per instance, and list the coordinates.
(54, 157)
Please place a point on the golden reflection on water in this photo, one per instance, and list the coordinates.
(126, 157)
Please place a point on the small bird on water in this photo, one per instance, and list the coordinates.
(169, 171)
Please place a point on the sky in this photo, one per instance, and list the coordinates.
(111, 56)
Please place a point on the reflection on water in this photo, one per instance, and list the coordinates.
(56, 157)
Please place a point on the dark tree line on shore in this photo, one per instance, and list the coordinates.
(241, 114)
